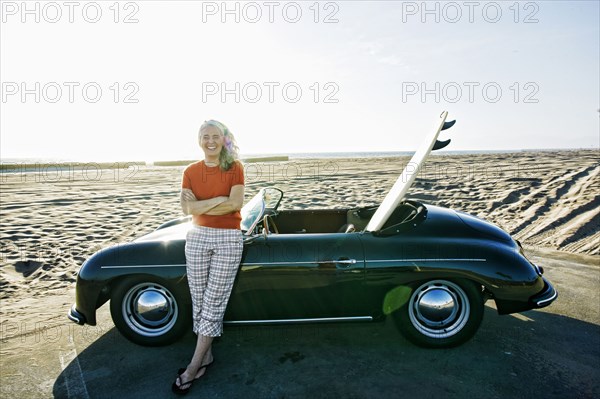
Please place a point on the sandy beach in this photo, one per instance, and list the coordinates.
(53, 217)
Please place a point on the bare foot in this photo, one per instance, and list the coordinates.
(201, 371)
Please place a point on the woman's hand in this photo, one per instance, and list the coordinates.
(190, 205)
(234, 202)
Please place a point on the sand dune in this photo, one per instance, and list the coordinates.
(51, 223)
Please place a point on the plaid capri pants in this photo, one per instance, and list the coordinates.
(212, 260)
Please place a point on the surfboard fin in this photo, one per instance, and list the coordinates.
(440, 144)
(448, 125)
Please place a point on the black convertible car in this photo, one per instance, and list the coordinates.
(430, 268)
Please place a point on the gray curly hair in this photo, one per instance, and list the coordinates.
(230, 151)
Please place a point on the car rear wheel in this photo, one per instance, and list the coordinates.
(441, 313)
(148, 311)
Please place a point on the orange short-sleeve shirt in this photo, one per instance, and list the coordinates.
(209, 182)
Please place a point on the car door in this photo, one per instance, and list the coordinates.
(298, 276)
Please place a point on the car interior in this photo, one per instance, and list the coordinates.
(306, 221)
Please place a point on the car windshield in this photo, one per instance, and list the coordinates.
(253, 211)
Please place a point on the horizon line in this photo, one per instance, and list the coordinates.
(278, 156)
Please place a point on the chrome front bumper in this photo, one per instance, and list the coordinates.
(546, 297)
(75, 316)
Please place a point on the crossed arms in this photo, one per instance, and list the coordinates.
(212, 206)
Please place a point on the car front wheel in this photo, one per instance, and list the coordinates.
(149, 312)
(441, 313)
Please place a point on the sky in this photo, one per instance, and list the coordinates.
(134, 80)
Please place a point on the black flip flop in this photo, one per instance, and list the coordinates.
(178, 388)
(181, 371)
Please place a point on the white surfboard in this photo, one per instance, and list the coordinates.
(406, 179)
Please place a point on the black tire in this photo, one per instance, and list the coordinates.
(441, 313)
(162, 317)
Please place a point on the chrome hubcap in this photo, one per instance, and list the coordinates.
(439, 309)
(150, 309)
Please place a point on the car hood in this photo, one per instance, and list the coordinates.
(483, 227)
(443, 222)
(175, 232)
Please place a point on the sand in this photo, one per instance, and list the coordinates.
(54, 216)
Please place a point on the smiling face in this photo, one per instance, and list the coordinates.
(211, 141)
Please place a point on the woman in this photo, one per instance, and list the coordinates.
(212, 192)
